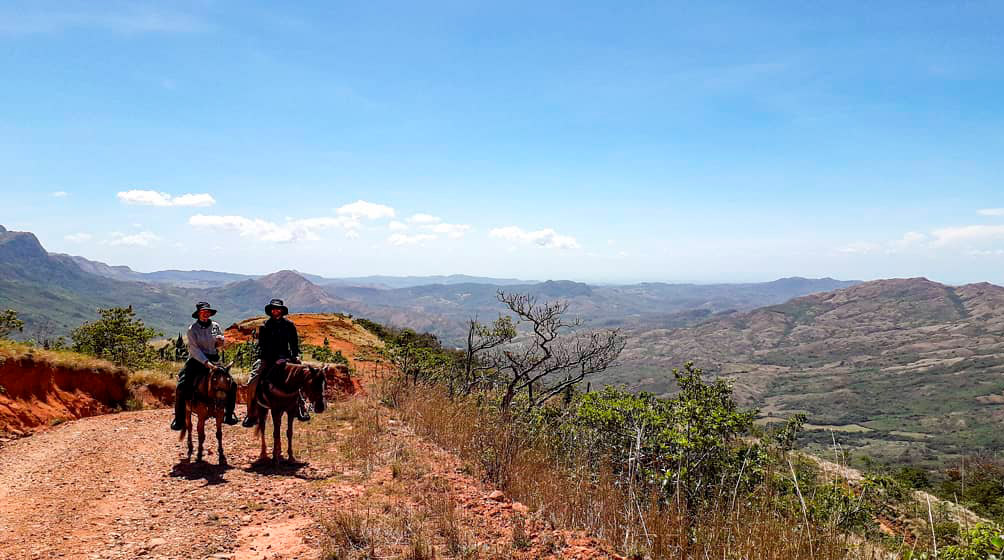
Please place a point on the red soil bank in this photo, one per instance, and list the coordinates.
(37, 393)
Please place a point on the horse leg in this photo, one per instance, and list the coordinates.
(263, 416)
(219, 438)
(289, 437)
(276, 437)
(188, 428)
(202, 436)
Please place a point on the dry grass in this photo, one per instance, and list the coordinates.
(58, 358)
(577, 495)
(348, 535)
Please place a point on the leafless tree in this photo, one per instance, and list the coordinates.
(555, 356)
(481, 340)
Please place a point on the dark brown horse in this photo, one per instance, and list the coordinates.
(279, 392)
(208, 399)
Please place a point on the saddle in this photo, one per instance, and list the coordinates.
(198, 396)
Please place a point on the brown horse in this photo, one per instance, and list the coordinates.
(208, 399)
(279, 392)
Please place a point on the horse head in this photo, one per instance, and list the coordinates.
(220, 382)
(314, 386)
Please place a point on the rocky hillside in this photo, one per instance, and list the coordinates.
(904, 368)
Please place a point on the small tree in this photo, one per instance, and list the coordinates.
(555, 357)
(118, 336)
(10, 323)
(482, 339)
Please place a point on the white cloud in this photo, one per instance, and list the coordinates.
(543, 237)
(154, 198)
(860, 248)
(401, 239)
(59, 194)
(141, 239)
(992, 212)
(962, 234)
(909, 240)
(453, 231)
(78, 237)
(424, 219)
(985, 252)
(368, 210)
(397, 226)
(293, 230)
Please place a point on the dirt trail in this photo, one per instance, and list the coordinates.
(120, 486)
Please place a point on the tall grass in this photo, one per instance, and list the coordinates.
(576, 493)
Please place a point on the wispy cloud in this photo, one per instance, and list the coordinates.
(139, 197)
(400, 239)
(306, 229)
(453, 231)
(397, 226)
(59, 194)
(130, 20)
(368, 210)
(78, 237)
(141, 239)
(424, 219)
(991, 212)
(973, 233)
(543, 237)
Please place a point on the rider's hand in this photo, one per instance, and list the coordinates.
(211, 366)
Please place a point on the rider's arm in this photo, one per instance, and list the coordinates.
(194, 350)
(294, 342)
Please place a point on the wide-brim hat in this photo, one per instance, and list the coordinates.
(200, 306)
(276, 304)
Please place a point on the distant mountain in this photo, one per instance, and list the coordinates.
(247, 298)
(180, 278)
(902, 368)
(393, 282)
(54, 295)
(445, 308)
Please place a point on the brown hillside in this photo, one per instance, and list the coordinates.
(42, 388)
(914, 367)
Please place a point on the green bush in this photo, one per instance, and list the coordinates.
(980, 543)
(10, 323)
(118, 336)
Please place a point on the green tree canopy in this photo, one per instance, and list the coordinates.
(118, 336)
(10, 323)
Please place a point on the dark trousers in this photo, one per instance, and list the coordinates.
(192, 370)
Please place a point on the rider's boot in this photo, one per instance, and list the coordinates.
(301, 410)
(229, 417)
(251, 419)
(179, 410)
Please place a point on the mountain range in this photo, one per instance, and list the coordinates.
(902, 369)
(54, 293)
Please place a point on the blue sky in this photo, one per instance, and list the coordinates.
(592, 141)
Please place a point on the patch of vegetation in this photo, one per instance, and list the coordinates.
(118, 336)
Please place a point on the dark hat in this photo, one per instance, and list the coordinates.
(200, 306)
(276, 304)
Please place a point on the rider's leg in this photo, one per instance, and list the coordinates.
(251, 419)
(229, 416)
(180, 394)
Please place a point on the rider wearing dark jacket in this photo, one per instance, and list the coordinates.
(278, 342)
(204, 339)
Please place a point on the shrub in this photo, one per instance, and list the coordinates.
(118, 336)
(9, 323)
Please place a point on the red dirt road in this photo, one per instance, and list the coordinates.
(119, 486)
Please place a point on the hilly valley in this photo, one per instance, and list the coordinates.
(904, 369)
